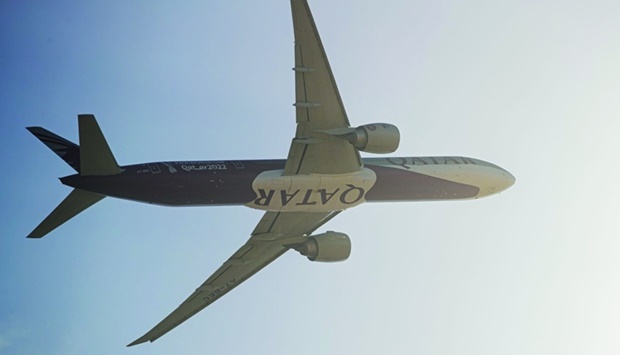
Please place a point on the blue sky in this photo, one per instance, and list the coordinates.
(532, 87)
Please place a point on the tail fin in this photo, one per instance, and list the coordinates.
(66, 150)
(77, 201)
(95, 155)
(92, 158)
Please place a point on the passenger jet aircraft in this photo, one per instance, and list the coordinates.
(322, 176)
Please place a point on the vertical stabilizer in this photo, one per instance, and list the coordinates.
(95, 155)
(66, 150)
(77, 201)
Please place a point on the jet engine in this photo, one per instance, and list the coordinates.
(379, 138)
(327, 247)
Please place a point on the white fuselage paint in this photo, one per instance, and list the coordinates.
(311, 193)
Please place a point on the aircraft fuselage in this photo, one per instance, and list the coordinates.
(201, 183)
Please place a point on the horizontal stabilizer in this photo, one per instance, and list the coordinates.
(68, 151)
(96, 158)
(76, 202)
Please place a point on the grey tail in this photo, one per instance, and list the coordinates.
(92, 157)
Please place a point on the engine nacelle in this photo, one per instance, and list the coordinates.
(328, 247)
(379, 138)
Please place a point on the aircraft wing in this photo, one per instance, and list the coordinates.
(269, 240)
(318, 106)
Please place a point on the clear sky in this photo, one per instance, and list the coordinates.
(531, 86)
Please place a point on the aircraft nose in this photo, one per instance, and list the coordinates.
(495, 180)
(502, 181)
(509, 180)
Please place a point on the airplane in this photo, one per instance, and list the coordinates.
(322, 176)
